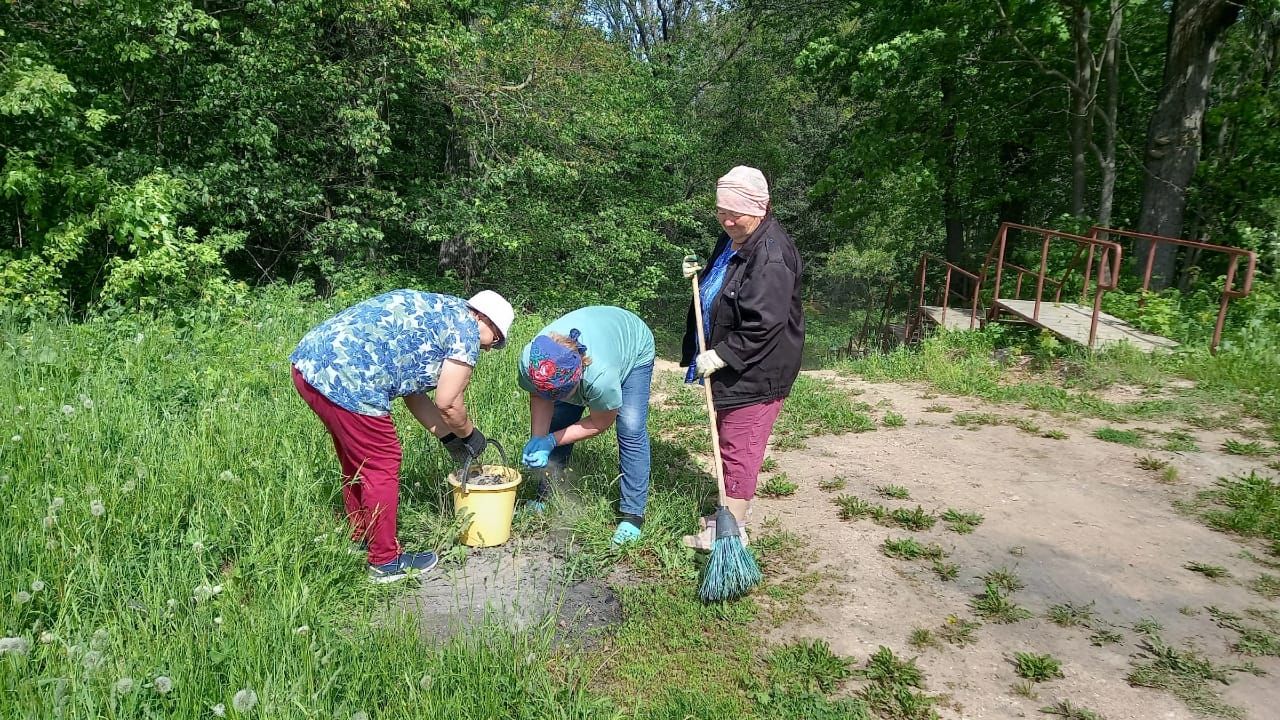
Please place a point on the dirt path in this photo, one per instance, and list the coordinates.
(1075, 518)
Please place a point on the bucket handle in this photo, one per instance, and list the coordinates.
(466, 465)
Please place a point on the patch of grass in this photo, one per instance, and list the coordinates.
(778, 486)
(1253, 640)
(922, 639)
(946, 571)
(1246, 504)
(1064, 709)
(807, 664)
(994, 605)
(832, 484)
(769, 465)
(1266, 585)
(958, 631)
(1004, 579)
(1212, 572)
(1054, 435)
(1187, 674)
(1037, 667)
(1026, 689)
(1150, 462)
(814, 408)
(852, 507)
(917, 519)
(895, 688)
(1169, 475)
(976, 419)
(961, 522)
(897, 492)
(1132, 438)
(1148, 626)
(911, 549)
(1101, 638)
(1027, 426)
(893, 420)
(1179, 441)
(1071, 615)
(938, 408)
(1252, 448)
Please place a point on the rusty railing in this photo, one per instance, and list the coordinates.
(1228, 287)
(944, 295)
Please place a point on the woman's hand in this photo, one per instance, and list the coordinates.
(690, 266)
(708, 362)
(537, 452)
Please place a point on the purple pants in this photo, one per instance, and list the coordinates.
(744, 435)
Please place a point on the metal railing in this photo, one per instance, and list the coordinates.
(1109, 259)
(1228, 287)
(944, 295)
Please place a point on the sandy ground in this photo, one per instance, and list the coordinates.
(1076, 519)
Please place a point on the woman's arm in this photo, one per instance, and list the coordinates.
(588, 427)
(446, 413)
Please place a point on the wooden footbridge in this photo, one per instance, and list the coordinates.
(1003, 291)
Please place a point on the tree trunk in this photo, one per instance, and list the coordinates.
(1081, 113)
(952, 218)
(1110, 71)
(1173, 136)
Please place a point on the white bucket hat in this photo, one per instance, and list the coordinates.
(497, 309)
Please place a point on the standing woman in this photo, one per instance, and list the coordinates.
(350, 367)
(598, 357)
(753, 326)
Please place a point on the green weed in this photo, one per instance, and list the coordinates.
(946, 571)
(769, 465)
(911, 549)
(1179, 441)
(1070, 614)
(852, 507)
(958, 631)
(994, 605)
(1149, 462)
(894, 688)
(976, 419)
(938, 408)
(1101, 638)
(893, 420)
(896, 492)
(1266, 585)
(1212, 572)
(1004, 579)
(1252, 448)
(832, 484)
(1246, 504)
(778, 486)
(1132, 438)
(1148, 626)
(1026, 689)
(1187, 674)
(1169, 475)
(1067, 711)
(917, 519)
(1037, 667)
(961, 522)
(816, 409)
(1054, 435)
(807, 664)
(923, 638)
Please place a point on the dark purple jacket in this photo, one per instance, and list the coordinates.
(757, 323)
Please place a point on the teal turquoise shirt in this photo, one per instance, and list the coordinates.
(617, 342)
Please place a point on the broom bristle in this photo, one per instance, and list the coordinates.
(731, 571)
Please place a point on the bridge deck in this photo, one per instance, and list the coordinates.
(1071, 322)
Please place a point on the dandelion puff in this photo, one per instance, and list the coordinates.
(197, 547)
(219, 710)
(124, 686)
(217, 620)
(171, 603)
(87, 402)
(162, 684)
(97, 508)
(22, 597)
(50, 544)
(16, 438)
(137, 339)
(92, 660)
(47, 637)
(16, 645)
(100, 638)
(129, 487)
(57, 503)
(425, 682)
(68, 410)
(226, 476)
(37, 585)
(141, 472)
(245, 700)
(49, 521)
(359, 715)
(302, 630)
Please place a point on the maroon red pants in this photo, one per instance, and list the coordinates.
(369, 453)
(744, 435)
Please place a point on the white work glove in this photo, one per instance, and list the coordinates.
(707, 363)
(690, 266)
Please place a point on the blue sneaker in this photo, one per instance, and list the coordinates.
(537, 507)
(626, 532)
(402, 567)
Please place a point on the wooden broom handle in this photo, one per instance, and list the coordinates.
(706, 384)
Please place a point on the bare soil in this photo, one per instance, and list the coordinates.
(1076, 519)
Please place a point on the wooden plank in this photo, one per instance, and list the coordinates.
(958, 318)
(1071, 322)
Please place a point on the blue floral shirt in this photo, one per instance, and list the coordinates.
(386, 347)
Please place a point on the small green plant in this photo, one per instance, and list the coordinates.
(923, 638)
(917, 519)
(938, 408)
(893, 419)
(1037, 667)
(1132, 438)
(1252, 448)
(1071, 615)
(1169, 475)
(1105, 637)
(894, 687)
(1212, 572)
(1150, 462)
(1026, 689)
(897, 492)
(1054, 435)
(1004, 579)
(945, 571)
(1027, 426)
(832, 484)
(995, 605)
(958, 631)
(1179, 441)
(1067, 711)
(961, 522)
(1266, 585)
(1188, 675)
(778, 486)
(1148, 626)
(807, 664)
(911, 549)
(1246, 504)
(852, 507)
(974, 420)
(769, 465)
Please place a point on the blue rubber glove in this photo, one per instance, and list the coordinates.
(537, 452)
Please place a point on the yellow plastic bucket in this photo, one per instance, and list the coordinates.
(491, 507)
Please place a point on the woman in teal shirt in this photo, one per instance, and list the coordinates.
(598, 357)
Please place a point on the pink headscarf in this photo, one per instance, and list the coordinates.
(743, 190)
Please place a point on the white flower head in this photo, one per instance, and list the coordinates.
(50, 544)
(197, 547)
(97, 508)
(226, 476)
(204, 592)
(92, 659)
(49, 521)
(22, 597)
(162, 684)
(37, 585)
(172, 603)
(68, 410)
(124, 686)
(217, 620)
(137, 339)
(47, 637)
(219, 710)
(245, 700)
(425, 682)
(16, 645)
(359, 715)
(129, 486)
(100, 638)
(302, 630)
(16, 438)
(86, 402)
(57, 503)
(141, 472)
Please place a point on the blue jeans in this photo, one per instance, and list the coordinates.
(633, 437)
